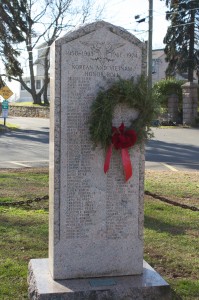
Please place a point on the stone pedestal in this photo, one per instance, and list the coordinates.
(147, 286)
(190, 102)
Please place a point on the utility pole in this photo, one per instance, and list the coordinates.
(149, 50)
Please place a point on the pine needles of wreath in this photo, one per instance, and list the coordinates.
(134, 94)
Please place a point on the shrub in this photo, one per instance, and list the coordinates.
(166, 87)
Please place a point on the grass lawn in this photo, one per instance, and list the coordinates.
(171, 233)
(8, 125)
(23, 230)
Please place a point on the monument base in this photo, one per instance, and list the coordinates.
(149, 285)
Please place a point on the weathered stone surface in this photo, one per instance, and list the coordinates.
(173, 107)
(29, 112)
(148, 286)
(96, 220)
(190, 102)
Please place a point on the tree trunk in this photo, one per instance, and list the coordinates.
(37, 99)
(46, 102)
(191, 47)
(46, 77)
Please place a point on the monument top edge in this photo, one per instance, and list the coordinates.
(91, 27)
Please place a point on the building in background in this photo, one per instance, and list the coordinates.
(159, 65)
(39, 76)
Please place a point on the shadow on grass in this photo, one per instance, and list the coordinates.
(17, 221)
(175, 296)
(161, 226)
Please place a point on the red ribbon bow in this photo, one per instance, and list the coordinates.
(121, 139)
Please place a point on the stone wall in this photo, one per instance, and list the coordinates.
(190, 102)
(27, 111)
(173, 108)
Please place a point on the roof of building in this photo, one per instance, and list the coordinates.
(156, 53)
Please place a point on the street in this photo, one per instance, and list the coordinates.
(171, 149)
(26, 147)
(174, 149)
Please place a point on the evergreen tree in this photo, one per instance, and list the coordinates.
(182, 52)
(25, 24)
(10, 34)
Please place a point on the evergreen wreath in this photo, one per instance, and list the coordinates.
(132, 93)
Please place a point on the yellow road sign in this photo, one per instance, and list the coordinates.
(5, 92)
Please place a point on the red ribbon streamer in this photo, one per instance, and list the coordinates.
(126, 164)
(121, 139)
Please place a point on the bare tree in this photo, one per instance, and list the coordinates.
(37, 23)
